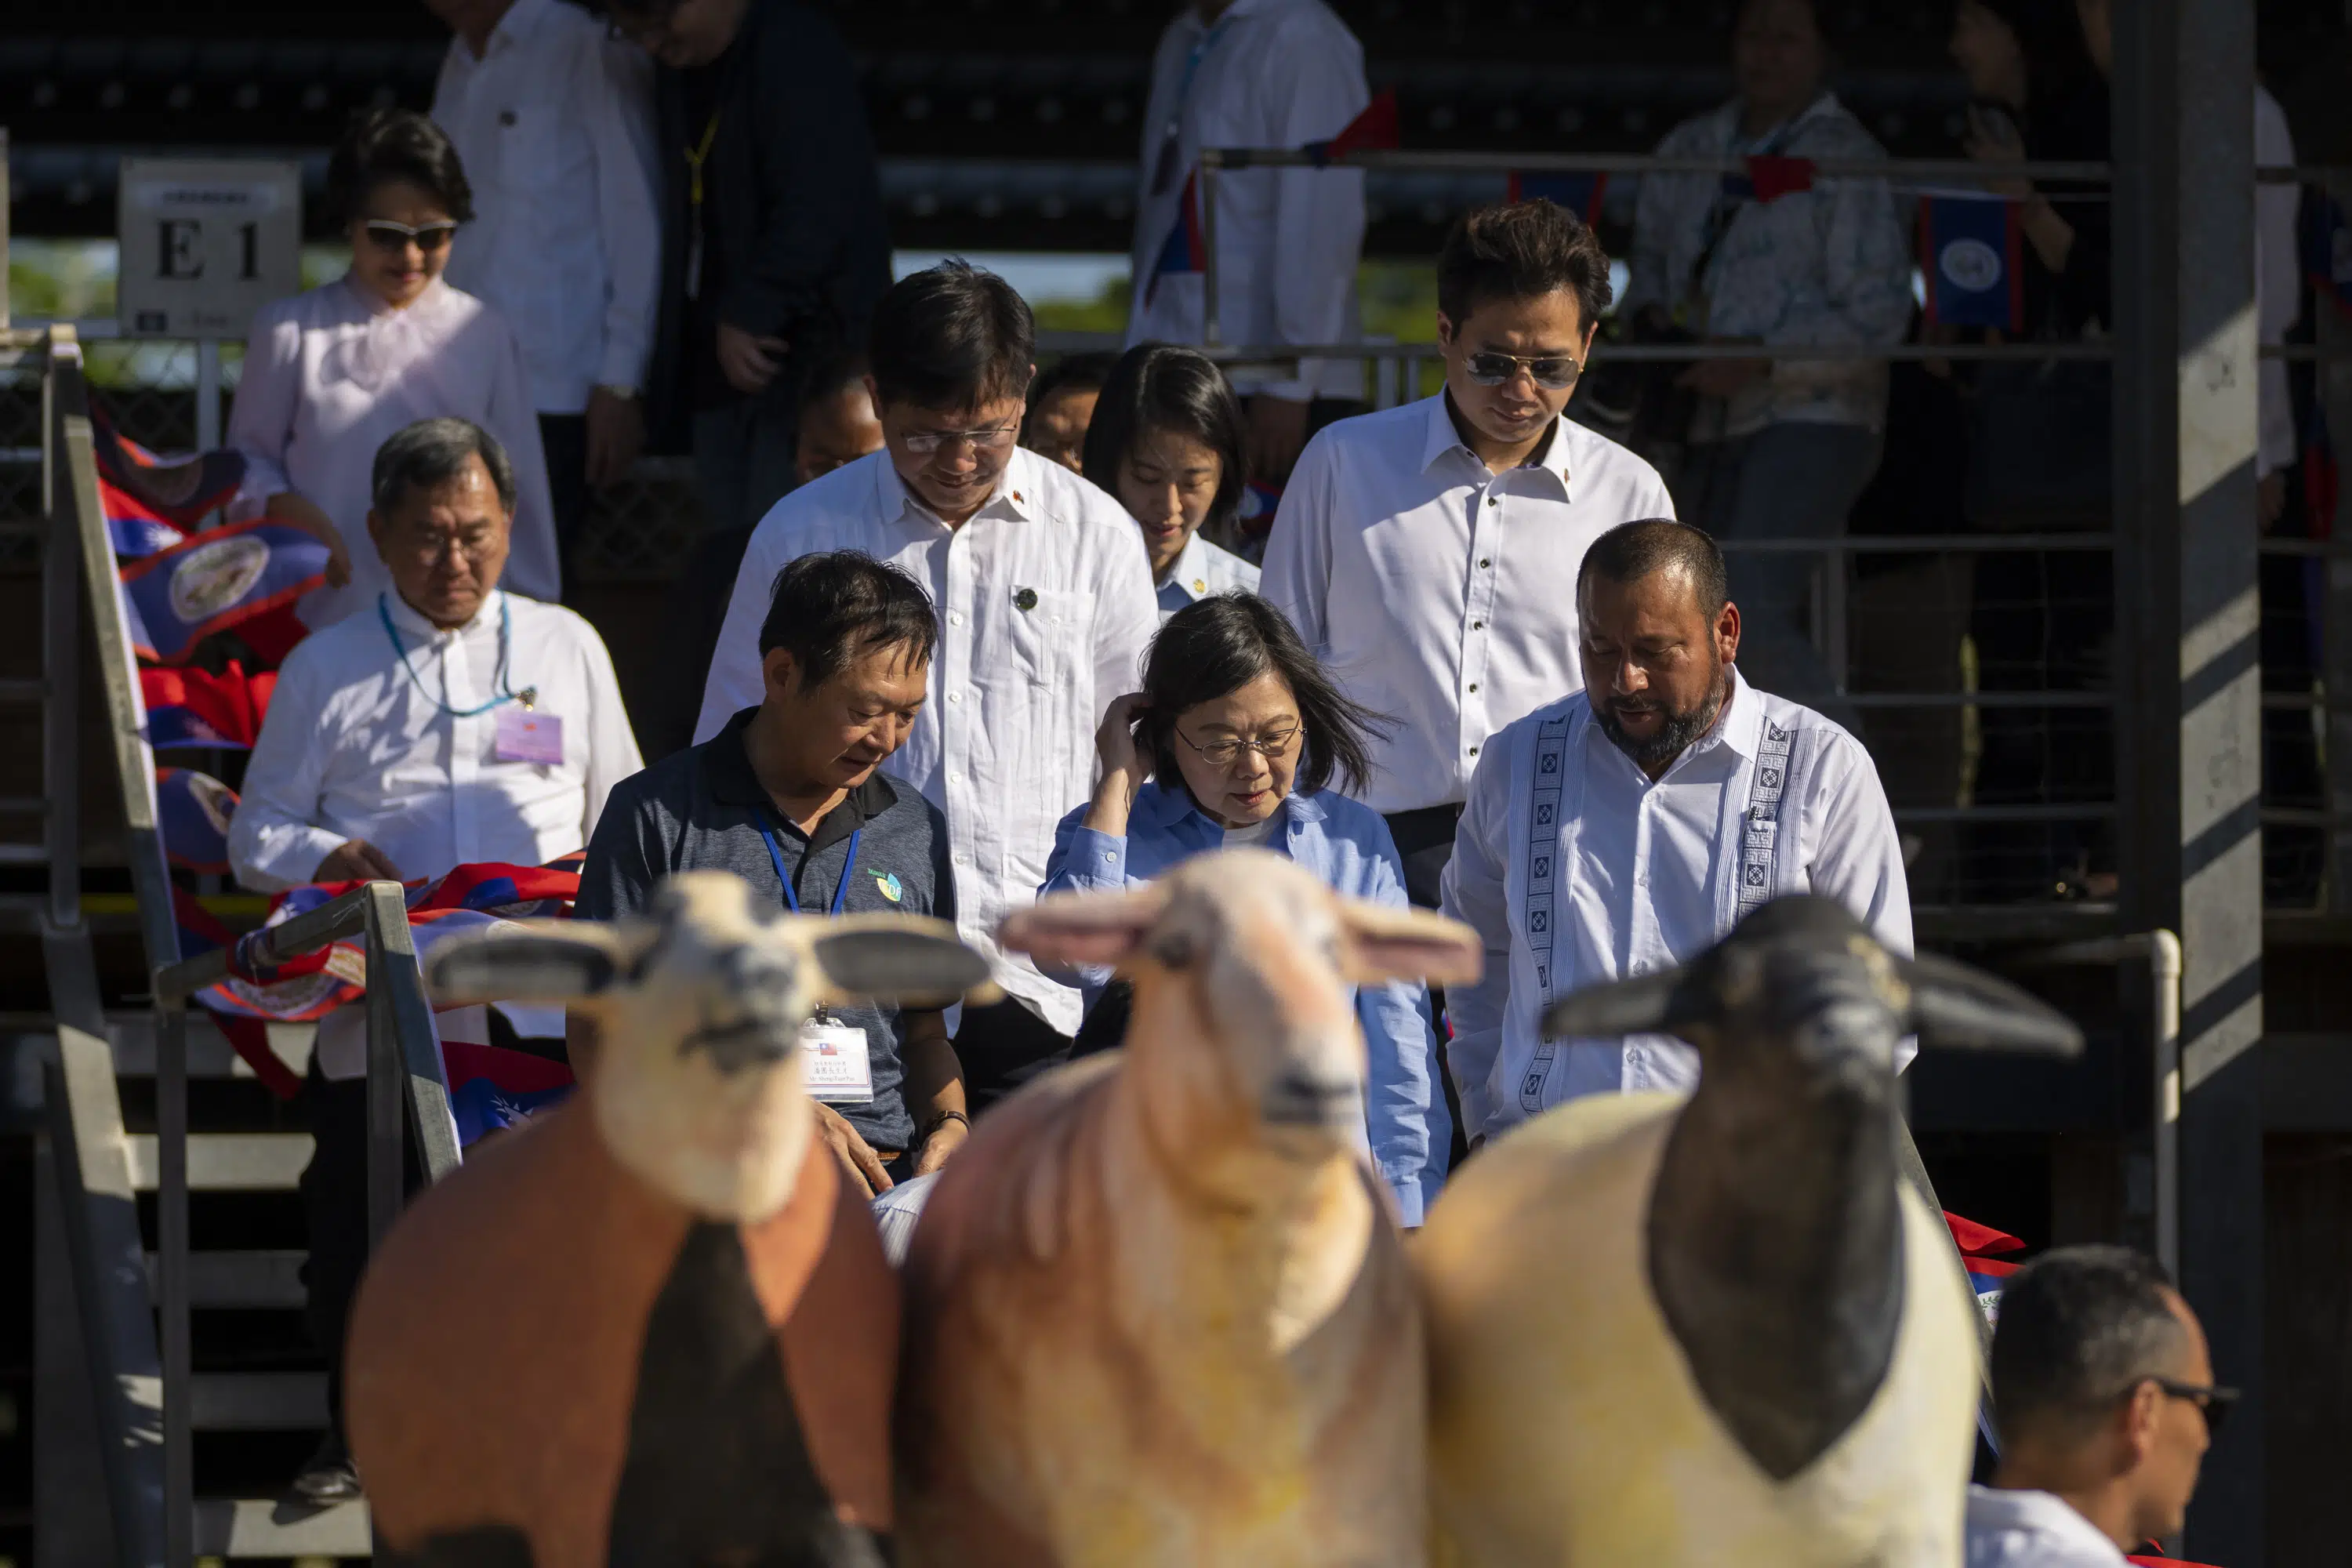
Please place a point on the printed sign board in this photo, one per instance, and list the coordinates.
(206, 243)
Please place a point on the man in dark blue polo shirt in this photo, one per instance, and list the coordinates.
(788, 798)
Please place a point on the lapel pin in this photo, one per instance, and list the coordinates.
(1025, 598)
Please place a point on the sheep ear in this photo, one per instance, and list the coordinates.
(1956, 1008)
(1407, 944)
(1063, 928)
(536, 960)
(896, 958)
(1641, 1005)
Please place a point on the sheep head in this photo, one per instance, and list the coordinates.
(1804, 971)
(1242, 1029)
(699, 1002)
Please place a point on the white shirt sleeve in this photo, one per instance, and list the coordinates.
(613, 753)
(1296, 573)
(1853, 854)
(1127, 617)
(1318, 219)
(533, 568)
(734, 683)
(627, 211)
(273, 842)
(261, 418)
(1472, 891)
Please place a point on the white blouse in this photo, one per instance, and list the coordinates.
(333, 373)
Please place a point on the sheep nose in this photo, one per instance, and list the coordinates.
(1300, 1099)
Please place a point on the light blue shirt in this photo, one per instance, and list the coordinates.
(1348, 846)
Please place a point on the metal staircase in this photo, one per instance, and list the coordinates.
(141, 1430)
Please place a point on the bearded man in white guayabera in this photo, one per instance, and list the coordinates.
(447, 722)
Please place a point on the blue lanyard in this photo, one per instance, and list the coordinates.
(792, 899)
(505, 692)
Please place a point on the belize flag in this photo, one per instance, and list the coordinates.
(195, 708)
(1579, 193)
(136, 528)
(215, 579)
(201, 931)
(177, 493)
(1186, 250)
(193, 812)
(1971, 251)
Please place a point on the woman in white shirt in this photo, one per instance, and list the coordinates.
(331, 373)
(1168, 440)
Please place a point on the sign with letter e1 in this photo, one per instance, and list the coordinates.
(206, 243)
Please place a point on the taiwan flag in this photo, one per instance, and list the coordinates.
(1187, 251)
(1971, 251)
(195, 708)
(177, 598)
(1579, 193)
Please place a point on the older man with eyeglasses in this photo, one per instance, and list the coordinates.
(1427, 552)
(446, 720)
(2103, 1391)
(1046, 603)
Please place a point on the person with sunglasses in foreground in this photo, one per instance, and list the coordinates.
(1233, 740)
(2103, 1392)
(334, 374)
(1427, 552)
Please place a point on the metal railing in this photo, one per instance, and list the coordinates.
(405, 1086)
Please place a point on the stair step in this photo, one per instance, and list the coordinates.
(259, 1402)
(241, 1280)
(256, 1527)
(228, 1161)
(132, 1036)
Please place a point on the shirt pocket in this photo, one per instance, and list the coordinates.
(1046, 629)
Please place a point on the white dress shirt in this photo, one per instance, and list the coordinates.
(1607, 875)
(1045, 605)
(2278, 284)
(554, 124)
(1201, 570)
(1270, 73)
(330, 374)
(2034, 1530)
(353, 748)
(1440, 593)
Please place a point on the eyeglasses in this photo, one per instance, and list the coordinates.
(996, 439)
(386, 235)
(474, 544)
(1553, 372)
(1226, 754)
(2213, 1401)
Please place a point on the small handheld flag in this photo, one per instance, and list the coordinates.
(194, 811)
(1579, 193)
(1378, 129)
(1971, 251)
(1186, 250)
(176, 597)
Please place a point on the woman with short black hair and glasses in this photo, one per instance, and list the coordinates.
(1234, 741)
(1167, 438)
(331, 373)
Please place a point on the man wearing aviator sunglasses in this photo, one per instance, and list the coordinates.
(1427, 552)
(2103, 1394)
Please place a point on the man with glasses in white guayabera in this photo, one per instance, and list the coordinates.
(1045, 603)
(1428, 553)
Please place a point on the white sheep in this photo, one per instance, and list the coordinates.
(1685, 1331)
(1157, 1309)
(654, 1325)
